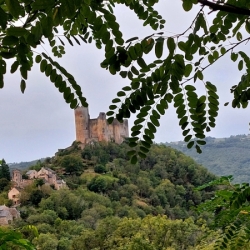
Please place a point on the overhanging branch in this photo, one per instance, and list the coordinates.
(225, 7)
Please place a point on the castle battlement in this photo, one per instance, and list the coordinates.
(98, 129)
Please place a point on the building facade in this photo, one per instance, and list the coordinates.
(7, 215)
(98, 129)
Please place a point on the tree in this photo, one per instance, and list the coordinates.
(72, 164)
(10, 239)
(4, 170)
(46, 242)
(231, 209)
(36, 196)
(100, 169)
(169, 77)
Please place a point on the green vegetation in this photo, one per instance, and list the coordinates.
(10, 239)
(144, 206)
(4, 176)
(231, 209)
(223, 156)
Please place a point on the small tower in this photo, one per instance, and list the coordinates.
(17, 176)
(82, 124)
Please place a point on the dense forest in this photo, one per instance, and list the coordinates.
(111, 204)
(222, 156)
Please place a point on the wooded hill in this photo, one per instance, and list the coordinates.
(115, 204)
(223, 156)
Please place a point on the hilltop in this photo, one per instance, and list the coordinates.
(106, 195)
(222, 156)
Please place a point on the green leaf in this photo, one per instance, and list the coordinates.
(23, 86)
(160, 109)
(151, 127)
(10, 40)
(15, 8)
(141, 62)
(239, 36)
(188, 70)
(187, 5)
(182, 46)
(48, 69)
(190, 88)
(43, 65)
(121, 93)
(67, 8)
(211, 87)
(132, 39)
(201, 142)
(247, 26)
(171, 45)
(154, 120)
(190, 144)
(133, 159)
(234, 56)
(187, 138)
(134, 70)
(43, 4)
(16, 31)
(240, 65)
(3, 19)
(38, 58)
(159, 47)
(14, 67)
(112, 107)
(199, 75)
(24, 72)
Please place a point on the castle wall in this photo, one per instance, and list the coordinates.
(82, 124)
(93, 123)
(98, 129)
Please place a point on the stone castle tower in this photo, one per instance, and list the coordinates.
(98, 129)
(16, 176)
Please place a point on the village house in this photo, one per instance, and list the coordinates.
(48, 175)
(7, 215)
(14, 195)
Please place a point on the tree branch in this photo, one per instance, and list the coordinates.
(225, 7)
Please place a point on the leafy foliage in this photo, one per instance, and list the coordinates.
(10, 239)
(4, 170)
(178, 61)
(230, 206)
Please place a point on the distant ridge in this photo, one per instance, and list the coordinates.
(24, 165)
(222, 156)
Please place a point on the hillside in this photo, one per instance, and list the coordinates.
(109, 200)
(223, 156)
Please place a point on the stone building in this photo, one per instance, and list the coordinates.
(48, 175)
(14, 194)
(18, 180)
(98, 129)
(7, 215)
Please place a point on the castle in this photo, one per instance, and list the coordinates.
(98, 129)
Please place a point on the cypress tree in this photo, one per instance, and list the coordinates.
(4, 170)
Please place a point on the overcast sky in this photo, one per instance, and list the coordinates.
(38, 123)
